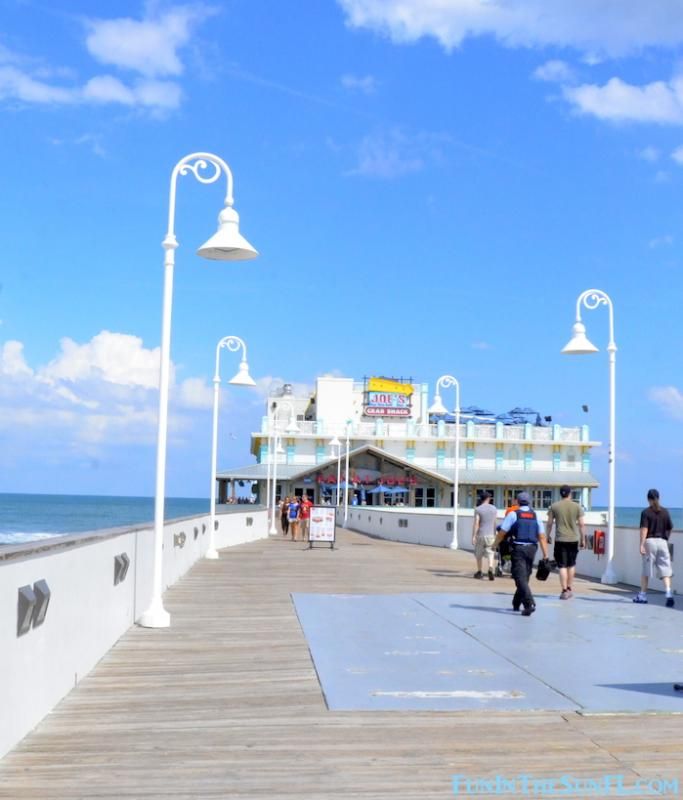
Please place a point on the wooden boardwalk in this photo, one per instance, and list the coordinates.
(226, 703)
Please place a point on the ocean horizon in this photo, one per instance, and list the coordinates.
(30, 517)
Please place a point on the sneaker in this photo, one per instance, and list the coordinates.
(565, 594)
(670, 602)
(640, 598)
(515, 607)
(490, 574)
(527, 612)
(478, 574)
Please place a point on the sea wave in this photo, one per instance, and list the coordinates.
(22, 538)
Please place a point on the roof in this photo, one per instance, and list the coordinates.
(475, 477)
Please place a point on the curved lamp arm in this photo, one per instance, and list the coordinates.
(446, 381)
(592, 299)
(196, 163)
(232, 343)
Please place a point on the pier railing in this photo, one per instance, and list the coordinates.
(65, 602)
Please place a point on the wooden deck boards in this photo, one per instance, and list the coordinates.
(226, 703)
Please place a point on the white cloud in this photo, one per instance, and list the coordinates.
(650, 154)
(394, 153)
(111, 357)
(150, 48)
(677, 155)
(195, 393)
(12, 361)
(669, 399)
(594, 27)
(367, 84)
(661, 241)
(554, 72)
(659, 102)
(481, 346)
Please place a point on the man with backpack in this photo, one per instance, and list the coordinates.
(525, 533)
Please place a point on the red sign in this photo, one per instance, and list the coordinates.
(379, 411)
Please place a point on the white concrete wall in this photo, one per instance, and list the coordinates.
(428, 526)
(87, 614)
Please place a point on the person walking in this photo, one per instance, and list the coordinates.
(570, 535)
(484, 534)
(655, 529)
(293, 516)
(525, 533)
(305, 507)
(284, 518)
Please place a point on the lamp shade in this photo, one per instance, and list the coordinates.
(437, 407)
(278, 450)
(579, 344)
(243, 378)
(335, 442)
(227, 244)
(292, 427)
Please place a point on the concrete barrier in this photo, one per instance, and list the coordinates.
(89, 609)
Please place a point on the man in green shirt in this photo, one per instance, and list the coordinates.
(570, 534)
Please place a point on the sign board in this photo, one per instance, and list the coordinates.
(385, 397)
(322, 525)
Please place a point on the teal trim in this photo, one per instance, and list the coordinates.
(263, 452)
(319, 453)
(410, 454)
(528, 461)
(500, 430)
(499, 458)
(469, 458)
(440, 456)
(556, 462)
(586, 462)
(291, 450)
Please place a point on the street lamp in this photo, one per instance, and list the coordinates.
(225, 245)
(437, 407)
(580, 345)
(346, 479)
(336, 444)
(243, 378)
(292, 427)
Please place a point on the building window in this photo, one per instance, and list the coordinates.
(514, 459)
(542, 498)
(510, 496)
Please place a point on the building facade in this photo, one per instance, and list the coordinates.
(399, 453)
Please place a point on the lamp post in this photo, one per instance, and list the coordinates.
(580, 345)
(437, 407)
(346, 479)
(336, 444)
(225, 245)
(292, 427)
(243, 378)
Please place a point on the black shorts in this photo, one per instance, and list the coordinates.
(565, 553)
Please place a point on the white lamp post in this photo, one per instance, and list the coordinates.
(346, 479)
(336, 444)
(292, 427)
(226, 245)
(438, 407)
(243, 378)
(580, 345)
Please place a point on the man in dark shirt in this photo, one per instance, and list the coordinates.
(655, 528)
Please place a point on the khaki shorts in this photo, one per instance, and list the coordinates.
(483, 546)
(656, 557)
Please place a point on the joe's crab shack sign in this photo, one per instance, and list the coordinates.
(386, 397)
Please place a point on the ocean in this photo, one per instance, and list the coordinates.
(28, 517)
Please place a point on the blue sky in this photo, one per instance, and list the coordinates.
(430, 186)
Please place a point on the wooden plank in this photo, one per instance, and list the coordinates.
(226, 703)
